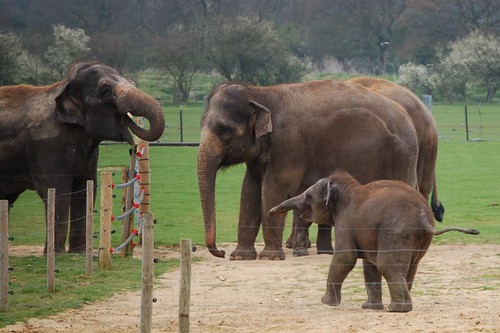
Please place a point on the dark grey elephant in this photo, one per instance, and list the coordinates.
(290, 136)
(49, 138)
(386, 223)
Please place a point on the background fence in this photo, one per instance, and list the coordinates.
(481, 124)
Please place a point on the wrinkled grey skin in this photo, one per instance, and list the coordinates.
(427, 135)
(386, 223)
(49, 138)
(289, 136)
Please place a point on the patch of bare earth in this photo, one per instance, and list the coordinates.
(456, 290)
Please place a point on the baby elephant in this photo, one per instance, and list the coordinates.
(386, 223)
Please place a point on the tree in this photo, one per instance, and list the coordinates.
(476, 58)
(416, 78)
(250, 50)
(11, 54)
(70, 45)
(181, 55)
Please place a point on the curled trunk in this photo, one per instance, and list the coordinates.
(130, 99)
(210, 155)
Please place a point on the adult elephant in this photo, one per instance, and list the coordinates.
(290, 136)
(427, 135)
(427, 154)
(49, 138)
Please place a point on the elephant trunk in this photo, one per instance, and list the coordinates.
(210, 154)
(130, 99)
(286, 205)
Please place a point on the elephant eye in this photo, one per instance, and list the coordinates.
(223, 131)
(106, 92)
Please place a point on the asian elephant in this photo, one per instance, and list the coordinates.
(387, 223)
(289, 136)
(427, 134)
(427, 153)
(50, 135)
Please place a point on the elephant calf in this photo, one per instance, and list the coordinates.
(386, 223)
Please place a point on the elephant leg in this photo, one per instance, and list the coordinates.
(293, 235)
(291, 239)
(78, 226)
(250, 218)
(394, 267)
(272, 230)
(343, 262)
(373, 284)
(301, 241)
(324, 240)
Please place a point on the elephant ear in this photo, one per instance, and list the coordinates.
(332, 193)
(68, 109)
(262, 122)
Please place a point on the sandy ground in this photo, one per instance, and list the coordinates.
(457, 289)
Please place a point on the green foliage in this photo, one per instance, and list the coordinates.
(69, 45)
(13, 57)
(28, 282)
(470, 62)
(250, 50)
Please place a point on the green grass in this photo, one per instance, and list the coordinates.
(28, 283)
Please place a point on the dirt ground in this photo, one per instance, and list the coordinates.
(456, 290)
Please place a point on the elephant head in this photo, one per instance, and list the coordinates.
(99, 99)
(313, 204)
(232, 130)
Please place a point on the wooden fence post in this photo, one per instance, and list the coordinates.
(4, 255)
(144, 182)
(106, 212)
(51, 257)
(90, 229)
(128, 222)
(147, 273)
(185, 286)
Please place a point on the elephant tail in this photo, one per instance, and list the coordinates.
(463, 230)
(436, 205)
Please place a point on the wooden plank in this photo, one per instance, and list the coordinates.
(147, 273)
(4, 255)
(185, 286)
(89, 247)
(51, 256)
(106, 213)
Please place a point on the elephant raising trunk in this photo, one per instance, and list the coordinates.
(209, 157)
(130, 99)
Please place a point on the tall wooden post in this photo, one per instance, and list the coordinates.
(89, 220)
(4, 255)
(51, 257)
(106, 212)
(147, 273)
(128, 222)
(185, 286)
(144, 182)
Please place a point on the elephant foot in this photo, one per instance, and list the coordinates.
(302, 252)
(78, 249)
(373, 306)
(241, 253)
(328, 299)
(400, 307)
(325, 250)
(272, 253)
(57, 250)
(289, 242)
